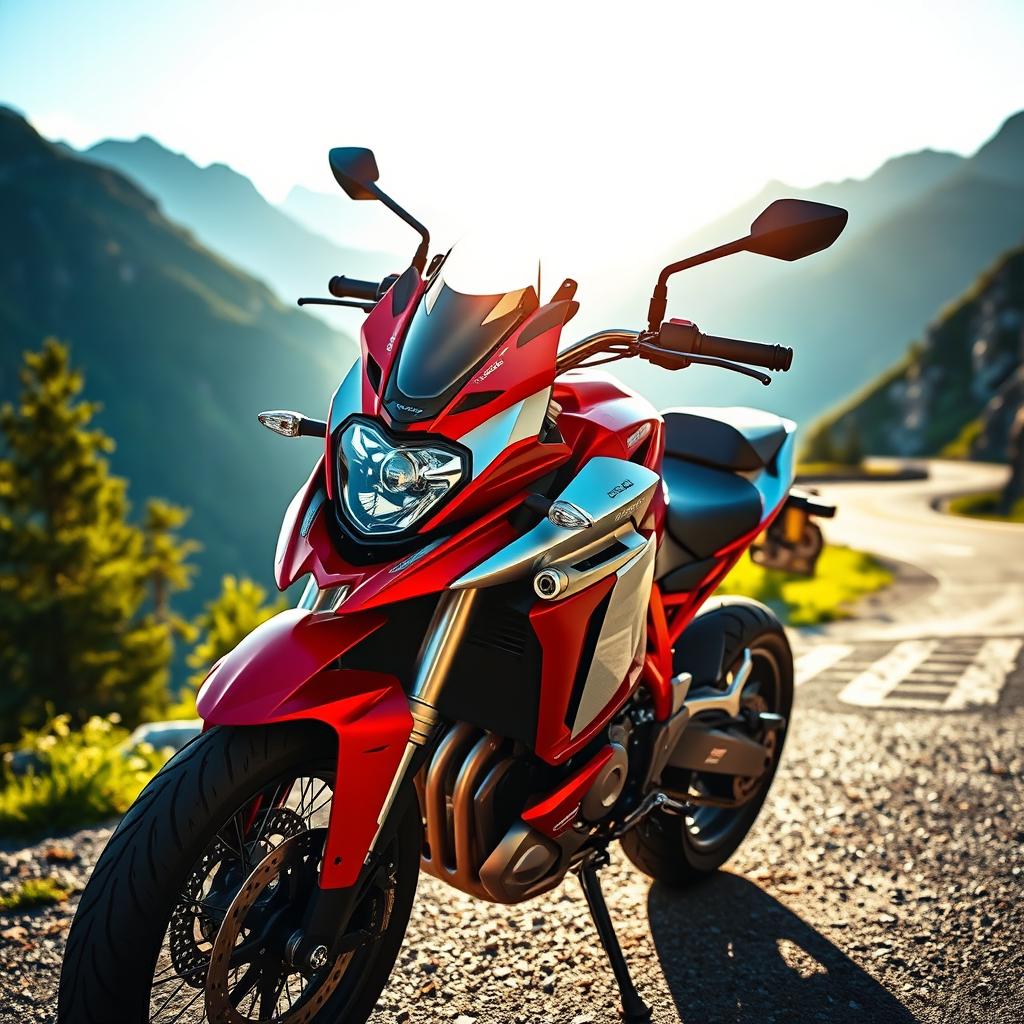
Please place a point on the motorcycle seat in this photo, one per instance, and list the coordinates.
(736, 438)
(708, 507)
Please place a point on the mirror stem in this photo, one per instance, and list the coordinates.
(659, 300)
(419, 260)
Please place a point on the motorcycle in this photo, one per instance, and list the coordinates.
(504, 659)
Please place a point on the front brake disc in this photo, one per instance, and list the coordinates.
(260, 961)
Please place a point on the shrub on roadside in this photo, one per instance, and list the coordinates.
(843, 576)
(33, 892)
(59, 777)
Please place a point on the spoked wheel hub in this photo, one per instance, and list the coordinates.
(251, 977)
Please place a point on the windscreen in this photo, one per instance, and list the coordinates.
(461, 317)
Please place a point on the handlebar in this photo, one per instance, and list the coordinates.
(350, 288)
(684, 337)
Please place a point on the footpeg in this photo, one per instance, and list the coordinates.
(634, 1009)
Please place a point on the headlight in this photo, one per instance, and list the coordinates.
(388, 487)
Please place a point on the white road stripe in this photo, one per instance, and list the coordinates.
(982, 680)
(870, 688)
(819, 659)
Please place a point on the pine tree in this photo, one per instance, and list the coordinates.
(75, 634)
(166, 554)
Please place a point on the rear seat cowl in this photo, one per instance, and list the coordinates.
(736, 438)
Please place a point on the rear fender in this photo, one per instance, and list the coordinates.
(282, 672)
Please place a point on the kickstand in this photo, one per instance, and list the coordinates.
(634, 1009)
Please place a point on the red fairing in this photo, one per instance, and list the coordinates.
(295, 554)
(557, 811)
(561, 628)
(279, 673)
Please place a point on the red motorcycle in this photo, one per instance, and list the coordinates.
(502, 662)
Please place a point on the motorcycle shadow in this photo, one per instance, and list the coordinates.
(732, 953)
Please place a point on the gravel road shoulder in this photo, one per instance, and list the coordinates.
(883, 882)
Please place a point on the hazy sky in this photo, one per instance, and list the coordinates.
(626, 124)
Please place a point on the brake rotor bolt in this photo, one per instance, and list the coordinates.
(318, 958)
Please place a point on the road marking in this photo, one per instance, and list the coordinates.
(818, 659)
(982, 680)
(871, 687)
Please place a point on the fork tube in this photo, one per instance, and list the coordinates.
(443, 637)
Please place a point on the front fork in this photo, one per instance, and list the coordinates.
(443, 638)
(324, 930)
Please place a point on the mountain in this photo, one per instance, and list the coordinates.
(226, 212)
(956, 392)
(182, 348)
(347, 223)
(920, 230)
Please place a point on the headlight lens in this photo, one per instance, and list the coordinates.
(388, 487)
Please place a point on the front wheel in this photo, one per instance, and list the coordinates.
(188, 914)
(682, 850)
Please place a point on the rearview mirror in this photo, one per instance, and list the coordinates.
(790, 229)
(355, 170)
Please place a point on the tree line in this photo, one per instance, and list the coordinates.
(87, 620)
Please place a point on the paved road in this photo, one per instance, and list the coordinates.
(949, 637)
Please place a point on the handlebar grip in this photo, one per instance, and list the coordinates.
(771, 357)
(350, 288)
(685, 337)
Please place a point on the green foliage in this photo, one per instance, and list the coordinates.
(239, 608)
(961, 445)
(843, 576)
(74, 777)
(987, 506)
(33, 892)
(75, 574)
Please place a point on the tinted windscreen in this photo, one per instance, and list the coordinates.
(450, 333)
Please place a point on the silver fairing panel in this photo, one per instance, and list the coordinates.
(623, 636)
(611, 491)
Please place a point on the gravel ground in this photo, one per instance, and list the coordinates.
(884, 881)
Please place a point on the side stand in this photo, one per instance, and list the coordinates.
(634, 1009)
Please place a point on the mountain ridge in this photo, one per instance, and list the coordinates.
(181, 348)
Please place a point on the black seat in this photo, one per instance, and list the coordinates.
(708, 507)
(737, 438)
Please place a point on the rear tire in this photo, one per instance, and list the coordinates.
(124, 920)
(667, 847)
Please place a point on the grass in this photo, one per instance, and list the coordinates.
(986, 506)
(33, 892)
(843, 576)
(860, 471)
(72, 777)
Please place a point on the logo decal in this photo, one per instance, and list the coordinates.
(567, 820)
(638, 435)
(619, 488)
(490, 369)
(407, 408)
(716, 755)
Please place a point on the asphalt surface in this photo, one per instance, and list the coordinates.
(883, 881)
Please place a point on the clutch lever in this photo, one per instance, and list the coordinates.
(364, 306)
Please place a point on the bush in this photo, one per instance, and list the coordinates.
(60, 778)
(843, 576)
(33, 892)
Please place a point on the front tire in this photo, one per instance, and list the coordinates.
(682, 850)
(139, 947)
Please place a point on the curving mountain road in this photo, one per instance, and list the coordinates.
(978, 565)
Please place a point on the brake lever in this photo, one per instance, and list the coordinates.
(726, 365)
(685, 358)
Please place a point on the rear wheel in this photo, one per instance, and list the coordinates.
(191, 909)
(680, 850)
